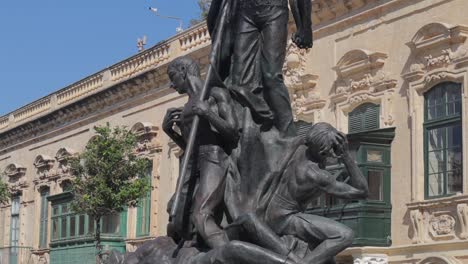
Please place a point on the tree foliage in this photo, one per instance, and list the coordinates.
(106, 175)
(204, 8)
(5, 194)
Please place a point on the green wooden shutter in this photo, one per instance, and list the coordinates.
(144, 208)
(363, 118)
(14, 229)
(43, 220)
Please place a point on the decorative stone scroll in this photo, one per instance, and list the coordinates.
(17, 183)
(436, 48)
(62, 155)
(419, 227)
(305, 100)
(442, 225)
(147, 138)
(18, 186)
(14, 170)
(462, 210)
(43, 165)
(361, 79)
(371, 259)
(440, 219)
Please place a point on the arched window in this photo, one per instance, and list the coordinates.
(364, 117)
(443, 140)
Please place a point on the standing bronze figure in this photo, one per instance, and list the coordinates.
(255, 46)
(218, 134)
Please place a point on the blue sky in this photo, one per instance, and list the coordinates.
(46, 45)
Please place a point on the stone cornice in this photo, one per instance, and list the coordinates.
(326, 10)
(438, 203)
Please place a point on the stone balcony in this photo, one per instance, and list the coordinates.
(439, 220)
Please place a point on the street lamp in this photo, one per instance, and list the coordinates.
(179, 29)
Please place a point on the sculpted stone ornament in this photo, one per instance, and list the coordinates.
(243, 162)
(442, 225)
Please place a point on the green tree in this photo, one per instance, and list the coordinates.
(5, 194)
(106, 176)
(204, 8)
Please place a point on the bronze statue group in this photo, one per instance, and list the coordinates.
(247, 178)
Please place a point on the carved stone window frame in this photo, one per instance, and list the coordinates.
(17, 182)
(148, 141)
(61, 157)
(439, 53)
(43, 161)
(14, 170)
(149, 147)
(43, 164)
(64, 153)
(306, 103)
(361, 79)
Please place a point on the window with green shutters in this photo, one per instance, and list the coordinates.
(68, 225)
(14, 229)
(443, 140)
(364, 117)
(72, 235)
(144, 208)
(143, 215)
(44, 223)
(371, 147)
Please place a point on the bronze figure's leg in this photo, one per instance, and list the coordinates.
(330, 236)
(259, 233)
(274, 40)
(245, 68)
(209, 196)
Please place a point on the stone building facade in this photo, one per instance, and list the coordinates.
(391, 73)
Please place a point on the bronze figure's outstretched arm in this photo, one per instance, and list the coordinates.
(302, 12)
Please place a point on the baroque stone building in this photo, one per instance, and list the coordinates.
(391, 73)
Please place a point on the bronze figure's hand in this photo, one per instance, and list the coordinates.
(303, 39)
(341, 144)
(171, 118)
(200, 108)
